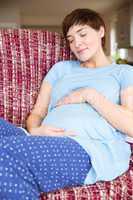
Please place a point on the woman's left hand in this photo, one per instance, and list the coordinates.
(77, 96)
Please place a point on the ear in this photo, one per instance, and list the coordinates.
(101, 31)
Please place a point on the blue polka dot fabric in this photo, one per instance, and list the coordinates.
(30, 165)
(7, 129)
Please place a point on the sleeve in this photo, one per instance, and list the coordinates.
(126, 76)
(55, 73)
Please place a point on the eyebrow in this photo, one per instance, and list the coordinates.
(68, 36)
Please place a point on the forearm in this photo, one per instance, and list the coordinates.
(118, 116)
(33, 121)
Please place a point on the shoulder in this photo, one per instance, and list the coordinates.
(125, 67)
(66, 63)
(125, 70)
(59, 70)
(126, 75)
(120, 69)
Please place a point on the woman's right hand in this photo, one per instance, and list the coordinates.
(47, 130)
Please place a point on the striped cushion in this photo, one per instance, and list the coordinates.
(25, 58)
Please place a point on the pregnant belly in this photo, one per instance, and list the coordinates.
(82, 119)
(71, 116)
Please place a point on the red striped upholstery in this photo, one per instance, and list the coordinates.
(25, 58)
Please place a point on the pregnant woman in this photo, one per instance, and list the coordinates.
(76, 132)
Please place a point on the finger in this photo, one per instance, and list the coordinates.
(59, 102)
(60, 130)
(71, 133)
(62, 133)
(57, 129)
(63, 102)
(55, 133)
(53, 128)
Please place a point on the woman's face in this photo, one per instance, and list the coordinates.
(85, 42)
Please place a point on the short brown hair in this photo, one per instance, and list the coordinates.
(83, 16)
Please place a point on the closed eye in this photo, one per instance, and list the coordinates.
(82, 34)
(70, 41)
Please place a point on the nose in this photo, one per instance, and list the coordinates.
(77, 42)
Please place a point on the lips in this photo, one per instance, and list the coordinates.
(81, 50)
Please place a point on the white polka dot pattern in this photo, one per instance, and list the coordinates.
(31, 165)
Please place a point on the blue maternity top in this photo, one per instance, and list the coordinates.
(106, 146)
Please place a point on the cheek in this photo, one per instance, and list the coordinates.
(94, 44)
(71, 47)
(93, 40)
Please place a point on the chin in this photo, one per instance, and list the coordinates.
(83, 60)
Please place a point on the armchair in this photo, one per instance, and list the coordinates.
(25, 58)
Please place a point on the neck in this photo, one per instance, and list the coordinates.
(97, 61)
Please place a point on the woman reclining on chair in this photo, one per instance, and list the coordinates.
(76, 131)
